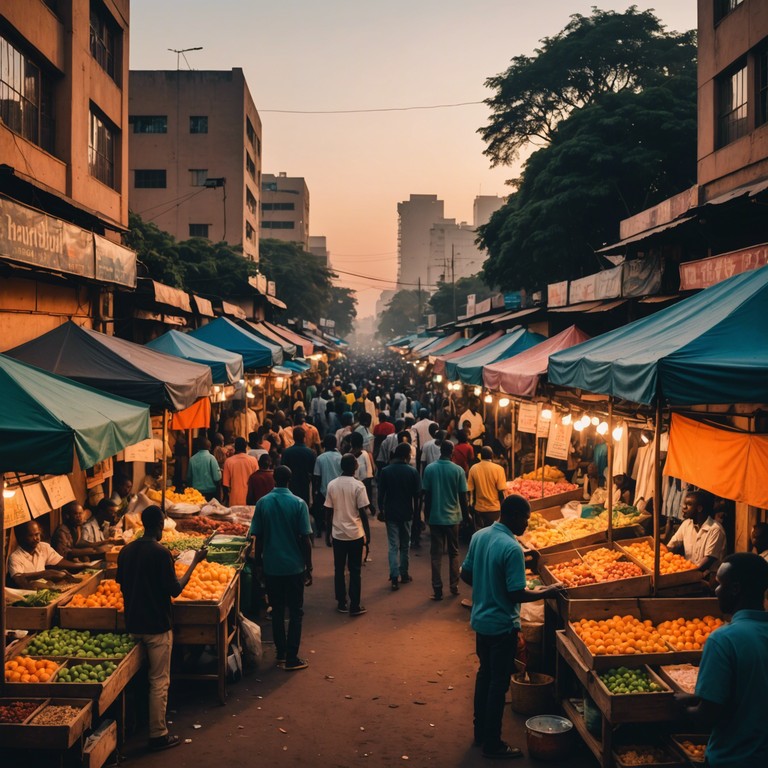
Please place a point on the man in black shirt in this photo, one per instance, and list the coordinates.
(147, 577)
(301, 461)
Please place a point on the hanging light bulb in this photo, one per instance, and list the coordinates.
(477, 391)
(439, 378)
(546, 414)
(618, 433)
(579, 425)
(595, 421)
(602, 428)
(567, 419)
(488, 399)
(645, 438)
(504, 402)
(257, 381)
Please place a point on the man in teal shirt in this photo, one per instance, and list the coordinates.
(733, 675)
(283, 536)
(445, 505)
(495, 569)
(204, 472)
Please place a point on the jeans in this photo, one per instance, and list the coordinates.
(440, 535)
(399, 541)
(158, 649)
(497, 659)
(348, 554)
(286, 592)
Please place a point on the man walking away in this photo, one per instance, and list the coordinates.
(346, 504)
(147, 577)
(399, 487)
(445, 505)
(486, 483)
(203, 472)
(283, 537)
(237, 470)
(495, 569)
(301, 461)
(327, 468)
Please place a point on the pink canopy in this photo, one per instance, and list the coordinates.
(436, 346)
(519, 375)
(439, 366)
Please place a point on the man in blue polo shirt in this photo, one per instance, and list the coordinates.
(733, 676)
(495, 569)
(283, 537)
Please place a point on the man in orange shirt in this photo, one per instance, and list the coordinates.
(237, 470)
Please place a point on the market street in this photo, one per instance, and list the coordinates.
(395, 682)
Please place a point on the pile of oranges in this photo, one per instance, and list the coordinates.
(573, 573)
(620, 635)
(669, 562)
(689, 635)
(107, 595)
(208, 581)
(24, 669)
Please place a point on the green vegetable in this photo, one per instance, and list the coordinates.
(80, 644)
(39, 599)
(86, 673)
(623, 681)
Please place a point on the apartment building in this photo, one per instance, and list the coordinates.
(285, 208)
(318, 246)
(195, 155)
(63, 164)
(415, 219)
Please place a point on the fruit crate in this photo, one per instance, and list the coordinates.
(21, 649)
(107, 619)
(210, 612)
(556, 501)
(635, 586)
(669, 759)
(634, 707)
(669, 580)
(48, 737)
(43, 617)
(700, 739)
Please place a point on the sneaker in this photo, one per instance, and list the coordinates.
(436, 596)
(406, 579)
(454, 590)
(280, 661)
(395, 585)
(359, 611)
(342, 608)
(292, 666)
(164, 742)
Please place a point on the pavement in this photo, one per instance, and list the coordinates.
(391, 687)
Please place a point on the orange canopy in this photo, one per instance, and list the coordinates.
(198, 415)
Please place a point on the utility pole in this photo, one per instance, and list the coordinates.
(453, 280)
(418, 319)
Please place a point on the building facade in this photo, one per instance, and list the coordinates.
(195, 155)
(453, 253)
(416, 217)
(318, 246)
(285, 208)
(484, 207)
(64, 164)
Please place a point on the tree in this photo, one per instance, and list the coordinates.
(342, 309)
(607, 52)
(402, 314)
(448, 297)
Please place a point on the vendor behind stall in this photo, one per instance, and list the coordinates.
(699, 538)
(68, 539)
(32, 559)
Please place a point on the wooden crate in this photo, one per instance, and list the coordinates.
(98, 752)
(667, 581)
(634, 707)
(676, 741)
(670, 681)
(20, 649)
(673, 759)
(54, 737)
(208, 612)
(107, 619)
(44, 617)
(555, 501)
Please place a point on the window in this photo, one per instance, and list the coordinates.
(269, 186)
(26, 103)
(198, 176)
(762, 87)
(198, 230)
(149, 123)
(101, 150)
(250, 232)
(198, 124)
(250, 201)
(277, 224)
(732, 106)
(250, 166)
(724, 7)
(104, 39)
(278, 206)
(149, 179)
(249, 131)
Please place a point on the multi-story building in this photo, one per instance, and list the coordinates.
(453, 253)
(285, 208)
(484, 207)
(195, 155)
(416, 217)
(63, 178)
(318, 246)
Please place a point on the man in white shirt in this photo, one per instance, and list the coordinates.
(699, 538)
(421, 428)
(476, 423)
(431, 450)
(347, 530)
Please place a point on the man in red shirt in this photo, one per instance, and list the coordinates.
(237, 470)
(463, 453)
(261, 482)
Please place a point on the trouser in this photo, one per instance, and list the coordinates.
(441, 535)
(399, 542)
(318, 513)
(497, 659)
(416, 525)
(348, 554)
(158, 649)
(484, 519)
(286, 592)
(368, 483)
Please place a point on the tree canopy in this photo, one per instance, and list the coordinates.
(342, 309)
(402, 314)
(442, 300)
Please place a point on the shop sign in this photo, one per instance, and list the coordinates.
(608, 283)
(542, 427)
(527, 418)
(59, 490)
(471, 304)
(557, 294)
(143, 451)
(583, 289)
(481, 307)
(642, 277)
(559, 439)
(695, 275)
(115, 263)
(16, 510)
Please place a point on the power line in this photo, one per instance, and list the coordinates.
(364, 111)
(382, 280)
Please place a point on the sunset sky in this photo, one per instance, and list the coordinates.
(313, 55)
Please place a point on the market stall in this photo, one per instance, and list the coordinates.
(226, 367)
(479, 343)
(225, 334)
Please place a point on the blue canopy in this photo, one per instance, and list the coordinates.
(470, 367)
(297, 366)
(710, 348)
(226, 367)
(225, 334)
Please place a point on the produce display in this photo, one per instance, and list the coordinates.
(17, 711)
(620, 635)
(38, 599)
(551, 474)
(206, 526)
(576, 527)
(543, 537)
(86, 673)
(694, 751)
(689, 635)
(189, 496)
(24, 669)
(622, 681)
(208, 581)
(684, 675)
(597, 565)
(80, 644)
(669, 562)
(177, 542)
(56, 714)
(107, 595)
(573, 573)
(536, 489)
(643, 755)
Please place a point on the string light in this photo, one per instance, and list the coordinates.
(595, 421)
(488, 399)
(546, 414)
(504, 402)
(567, 419)
(477, 391)
(602, 428)
(579, 425)
(438, 378)
(618, 433)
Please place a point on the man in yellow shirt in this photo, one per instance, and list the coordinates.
(486, 483)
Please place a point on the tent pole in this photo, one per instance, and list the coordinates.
(609, 484)
(165, 460)
(657, 495)
(513, 431)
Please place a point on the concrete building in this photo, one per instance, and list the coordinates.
(319, 247)
(64, 169)
(195, 155)
(285, 208)
(416, 217)
(453, 253)
(484, 207)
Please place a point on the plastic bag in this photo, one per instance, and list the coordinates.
(250, 639)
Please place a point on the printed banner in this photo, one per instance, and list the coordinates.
(695, 275)
(557, 294)
(527, 418)
(559, 442)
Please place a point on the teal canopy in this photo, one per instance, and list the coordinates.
(710, 348)
(455, 346)
(225, 334)
(226, 367)
(48, 419)
(469, 368)
(262, 333)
